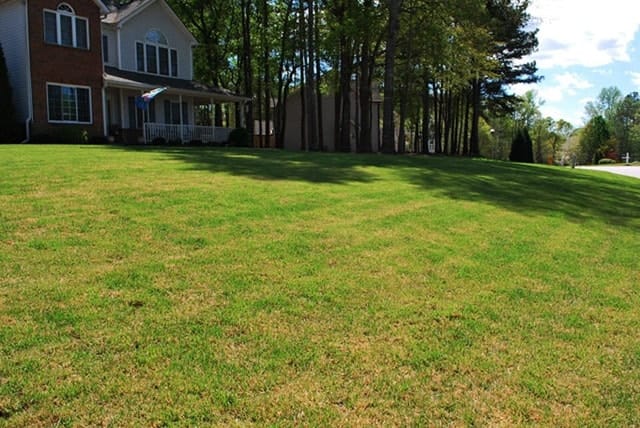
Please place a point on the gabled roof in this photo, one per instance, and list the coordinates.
(119, 15)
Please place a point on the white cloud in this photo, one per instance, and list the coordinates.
(563, 85)
(635, 77)
(573, 116)
(584, 32)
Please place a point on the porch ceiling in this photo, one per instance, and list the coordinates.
(115, 78)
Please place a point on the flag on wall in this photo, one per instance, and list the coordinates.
(142, 102)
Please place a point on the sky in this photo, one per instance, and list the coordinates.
(584, 46)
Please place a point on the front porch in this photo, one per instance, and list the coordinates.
(187, 112)
(154, 132)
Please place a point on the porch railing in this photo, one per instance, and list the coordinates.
(185, 133)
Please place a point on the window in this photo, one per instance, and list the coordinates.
(105, 49)
(164, 61)
(174, 63)
(63, 27)
(140, 56)
(68, 103)
(155, 57)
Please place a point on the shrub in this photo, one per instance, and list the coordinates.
(66, 135)
(159, 141)
(42, 139)
(239, 137)
(606, 161)
(98, 139)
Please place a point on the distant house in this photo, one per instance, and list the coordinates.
(82, 63)
(292, 136)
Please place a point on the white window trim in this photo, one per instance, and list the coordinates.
(74, 36)
(144, 59)
(71, 122)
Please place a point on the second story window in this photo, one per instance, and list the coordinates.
(154, 55)
(105, 49)
(63, 27)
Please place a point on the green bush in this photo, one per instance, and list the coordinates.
(239, 137)
(606, 161)
(66, 135)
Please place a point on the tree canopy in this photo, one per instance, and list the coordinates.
(441, 65)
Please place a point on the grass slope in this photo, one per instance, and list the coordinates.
(162, 287)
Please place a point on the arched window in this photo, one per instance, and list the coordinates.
(63, 27)
(154, 55)
(156, 37)
(65, 8)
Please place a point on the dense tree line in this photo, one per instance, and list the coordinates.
(544, 136)
(613, 127)
(443, 66)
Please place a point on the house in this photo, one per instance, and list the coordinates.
(81, 64)
(292, 136)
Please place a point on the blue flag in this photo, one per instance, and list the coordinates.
(142, 102)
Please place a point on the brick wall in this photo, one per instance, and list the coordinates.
(66, 65)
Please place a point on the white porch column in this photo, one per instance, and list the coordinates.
(105, 127)
(144, 119)
(118, 46)
(121, 102)
(181, 125)
(211, 118)
(213, 113)
(241, 119)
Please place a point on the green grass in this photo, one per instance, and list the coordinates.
(197, 287)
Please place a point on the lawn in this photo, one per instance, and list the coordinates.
(198, 287)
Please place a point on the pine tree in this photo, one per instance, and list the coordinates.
(521, 147)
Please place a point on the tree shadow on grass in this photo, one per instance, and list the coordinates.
(529, 189)
(534, 189)
(265, 164)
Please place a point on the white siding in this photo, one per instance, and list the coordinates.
(112, 43)
(13, 36)
(157, 17)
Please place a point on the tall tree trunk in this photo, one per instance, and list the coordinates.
(246, 62)
(317, 78)
(346, 65)
(425, 116)
(365, 96)
(284, 79)
(388, 131)
(474, 149)
(312, 120)
(467, 105)
(446, 112)
(454, 124)
(402, 132)
(437, 120)
(303, 99)
(267, 75)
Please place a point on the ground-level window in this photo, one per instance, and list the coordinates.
(68, 103)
